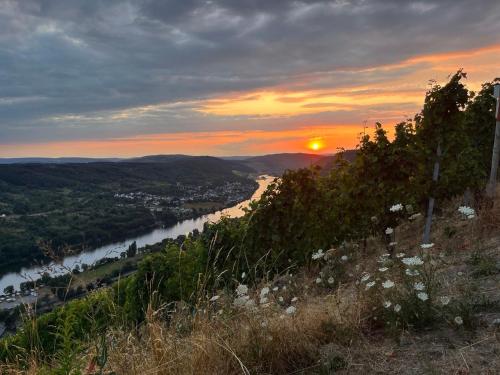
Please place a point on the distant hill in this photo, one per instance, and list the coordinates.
(35, 160)
(160, 158)
(273, 164)
(276, 164)
(133, 172)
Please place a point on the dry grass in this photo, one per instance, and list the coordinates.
(329, 331)
(255, 341)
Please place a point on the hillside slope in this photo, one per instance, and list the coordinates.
(339, 315)
(303, 324)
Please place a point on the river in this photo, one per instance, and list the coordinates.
(113, 250)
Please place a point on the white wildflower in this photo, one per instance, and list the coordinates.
(392, 244)
(280, 299)
(411, 272)
(458, 320)
(344, 258)
(423, 296)
(243, 275)
(388, 284)
(241, 301)
(444, 300)
(264, 292)
(275, 289)
(331, 280)
(426, 246)
(397, 308)
(467, 211)
(241, 290)
(419, 286)
(295, 299)
(365, 277)
(369, 285)
(389, 230)
(387, 304)
(318, 255)
(413, 261)
(400, 255)
(383, 269)
(214, 298)
(396, 208)
(318, 280)
(290, 310)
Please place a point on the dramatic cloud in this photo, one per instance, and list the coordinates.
(80, 71)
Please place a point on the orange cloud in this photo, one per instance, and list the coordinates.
(407, 87)
(389, 94)
(203, 143)
(298, 103)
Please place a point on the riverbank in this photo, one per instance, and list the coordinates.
(113, 250)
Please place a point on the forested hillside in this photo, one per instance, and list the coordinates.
(88, 204)
(323, 265)
(277, 164)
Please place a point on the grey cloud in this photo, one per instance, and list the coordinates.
(69, 57)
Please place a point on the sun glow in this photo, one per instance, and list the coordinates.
(315, 144)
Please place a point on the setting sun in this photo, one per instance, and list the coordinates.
(315, 144)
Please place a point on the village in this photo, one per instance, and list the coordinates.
(185, 199)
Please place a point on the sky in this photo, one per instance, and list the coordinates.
(106, 78)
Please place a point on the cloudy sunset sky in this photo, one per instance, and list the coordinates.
(241, 77)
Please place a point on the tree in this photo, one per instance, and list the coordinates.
(132, 250)
(8, 289)
(443, 142)
(480, 125)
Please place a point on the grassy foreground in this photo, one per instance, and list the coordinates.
(330, 318)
